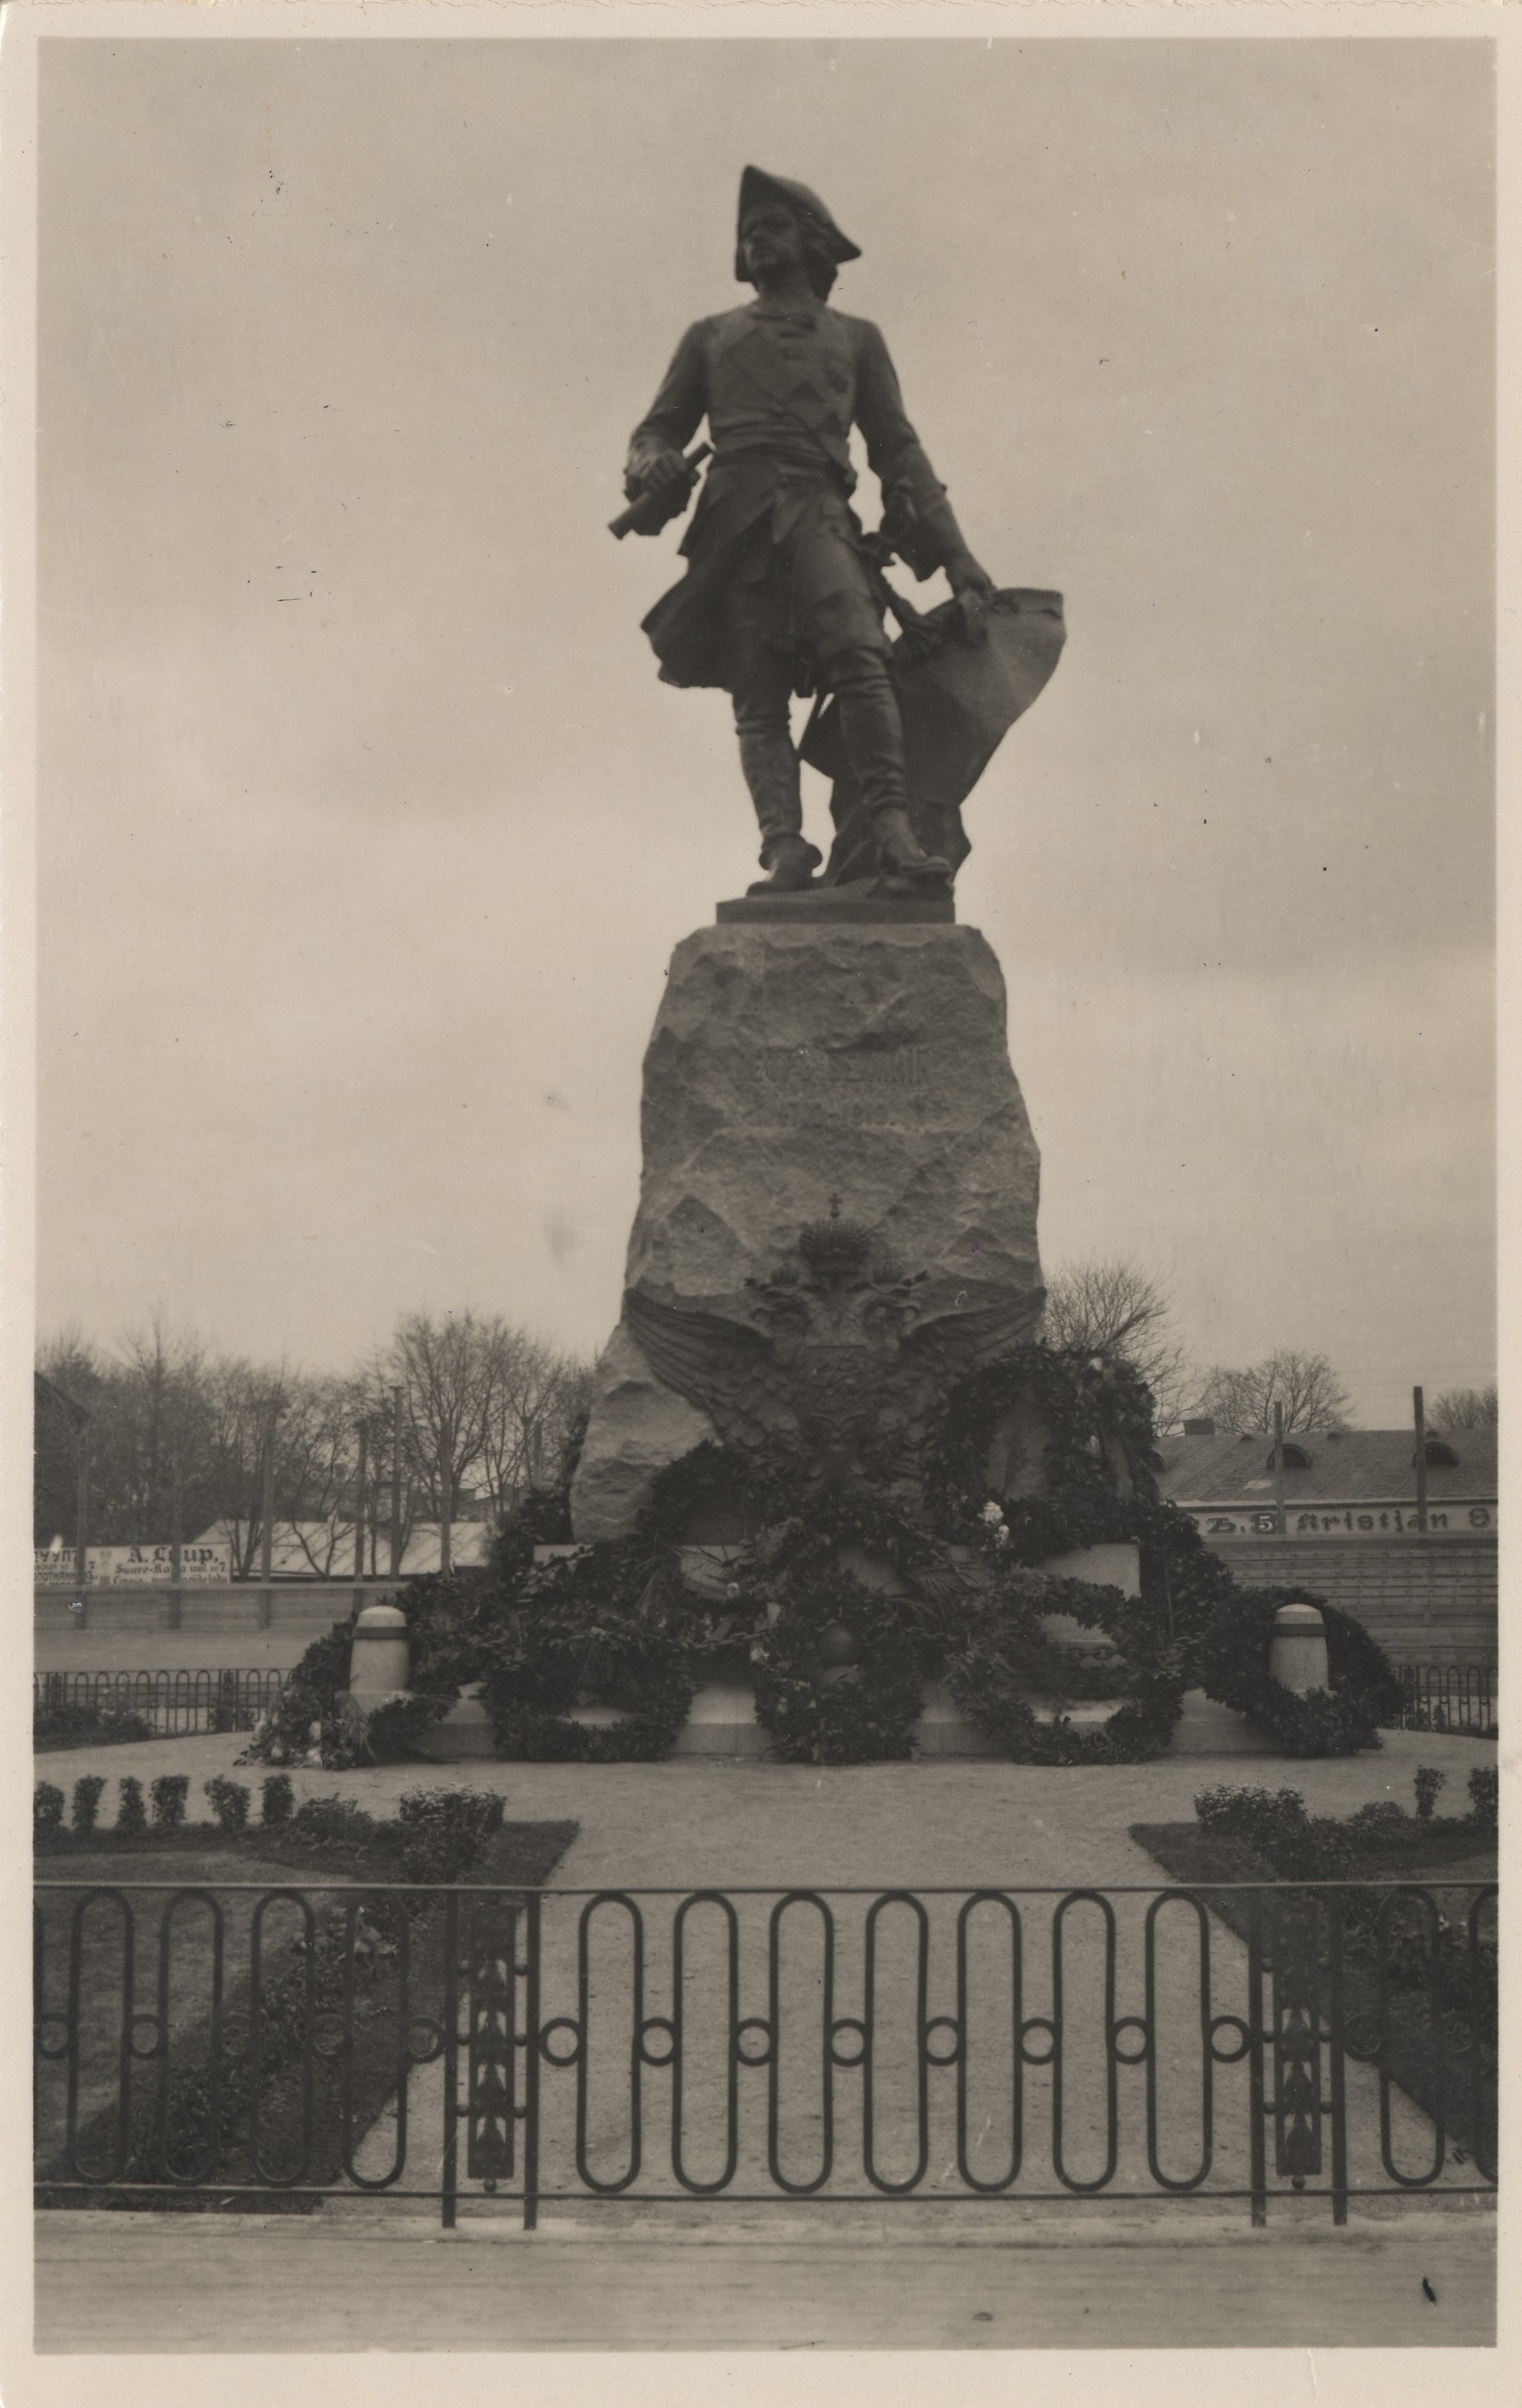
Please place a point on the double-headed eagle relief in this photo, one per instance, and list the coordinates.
(839, 1357)
(784, 591)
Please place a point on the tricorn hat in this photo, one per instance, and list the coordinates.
(756, 186)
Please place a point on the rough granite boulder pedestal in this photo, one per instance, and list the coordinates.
(793, 1070)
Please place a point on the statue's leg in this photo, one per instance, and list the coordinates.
(761, 688)
(837, 611)
(873, 735)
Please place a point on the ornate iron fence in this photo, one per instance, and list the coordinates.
(248, 2046)
(178, 1704)
(1459, 1698)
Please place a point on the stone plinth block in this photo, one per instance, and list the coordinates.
(790, 1066)
(722, 1722)
(465, 1736)
(380, 1655)
(943, 1729)
(1297, 1650)
(1206, 1727)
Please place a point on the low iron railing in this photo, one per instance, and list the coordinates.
(178, 1704)
(263, 2047)
(1455, 1698)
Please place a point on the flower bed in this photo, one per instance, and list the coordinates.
(1258, 1835)
(437, 1835)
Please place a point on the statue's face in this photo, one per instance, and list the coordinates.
(771, 238)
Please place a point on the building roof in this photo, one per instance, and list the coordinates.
(325, 1550)
(1229, 1470)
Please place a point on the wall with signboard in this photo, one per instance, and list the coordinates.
(1430, 1600)
(1455, 1518)
(201, 1566)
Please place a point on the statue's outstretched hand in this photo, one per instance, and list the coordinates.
(966, 575)
(973, 587)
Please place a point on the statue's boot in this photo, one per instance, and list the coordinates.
(791, 861)
(900, 853)
(771, 773)
(872, 730)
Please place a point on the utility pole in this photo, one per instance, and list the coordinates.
(266, 1533)
(1418, 1416)
(395, 1482)
(176, 1541)
(446, 1501)
(81, 1523)
(364, 1428)
(1279, 1515)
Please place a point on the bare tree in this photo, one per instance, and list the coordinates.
(484, 1401)
(303, 1424)
(451, 1371)
(160, 1431)
(537, 1393)
(317, 1469)
(1465, 1409)
(150, 1432)
(249, 1403)
(1313, 1397)
(1118, 1309)
(178, 1435)
(71, 1381)
(376, 1406)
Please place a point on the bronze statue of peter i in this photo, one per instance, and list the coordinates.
(783, 592)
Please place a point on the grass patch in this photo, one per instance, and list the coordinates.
(172, 2119)
(526, 1852)
(1459, 2087)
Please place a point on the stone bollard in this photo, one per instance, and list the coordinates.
(381, 1656)
(1297, 1650)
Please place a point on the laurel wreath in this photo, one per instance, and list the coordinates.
(863, 1713)
(553, 1661)
(1233, 1667)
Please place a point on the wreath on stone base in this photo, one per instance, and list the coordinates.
(583, 1656)
(1233, 1668)
(1002, 1655)
(838, 1675)
(314, 1721)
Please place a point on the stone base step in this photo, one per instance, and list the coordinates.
(1206, 1729)
(723, 1723)
(943, 1729)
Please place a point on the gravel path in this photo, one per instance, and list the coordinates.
(694, 1821)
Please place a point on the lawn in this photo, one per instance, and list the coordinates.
(165, 1971)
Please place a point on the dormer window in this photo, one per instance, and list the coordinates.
(1296, 1458)
(1439, 1456)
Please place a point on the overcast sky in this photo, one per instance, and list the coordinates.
(366, 830)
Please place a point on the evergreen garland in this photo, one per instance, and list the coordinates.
(1003, 1655)
(583, 1654)
(1234, 1669)
(860, 1712)
(620, 1623)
